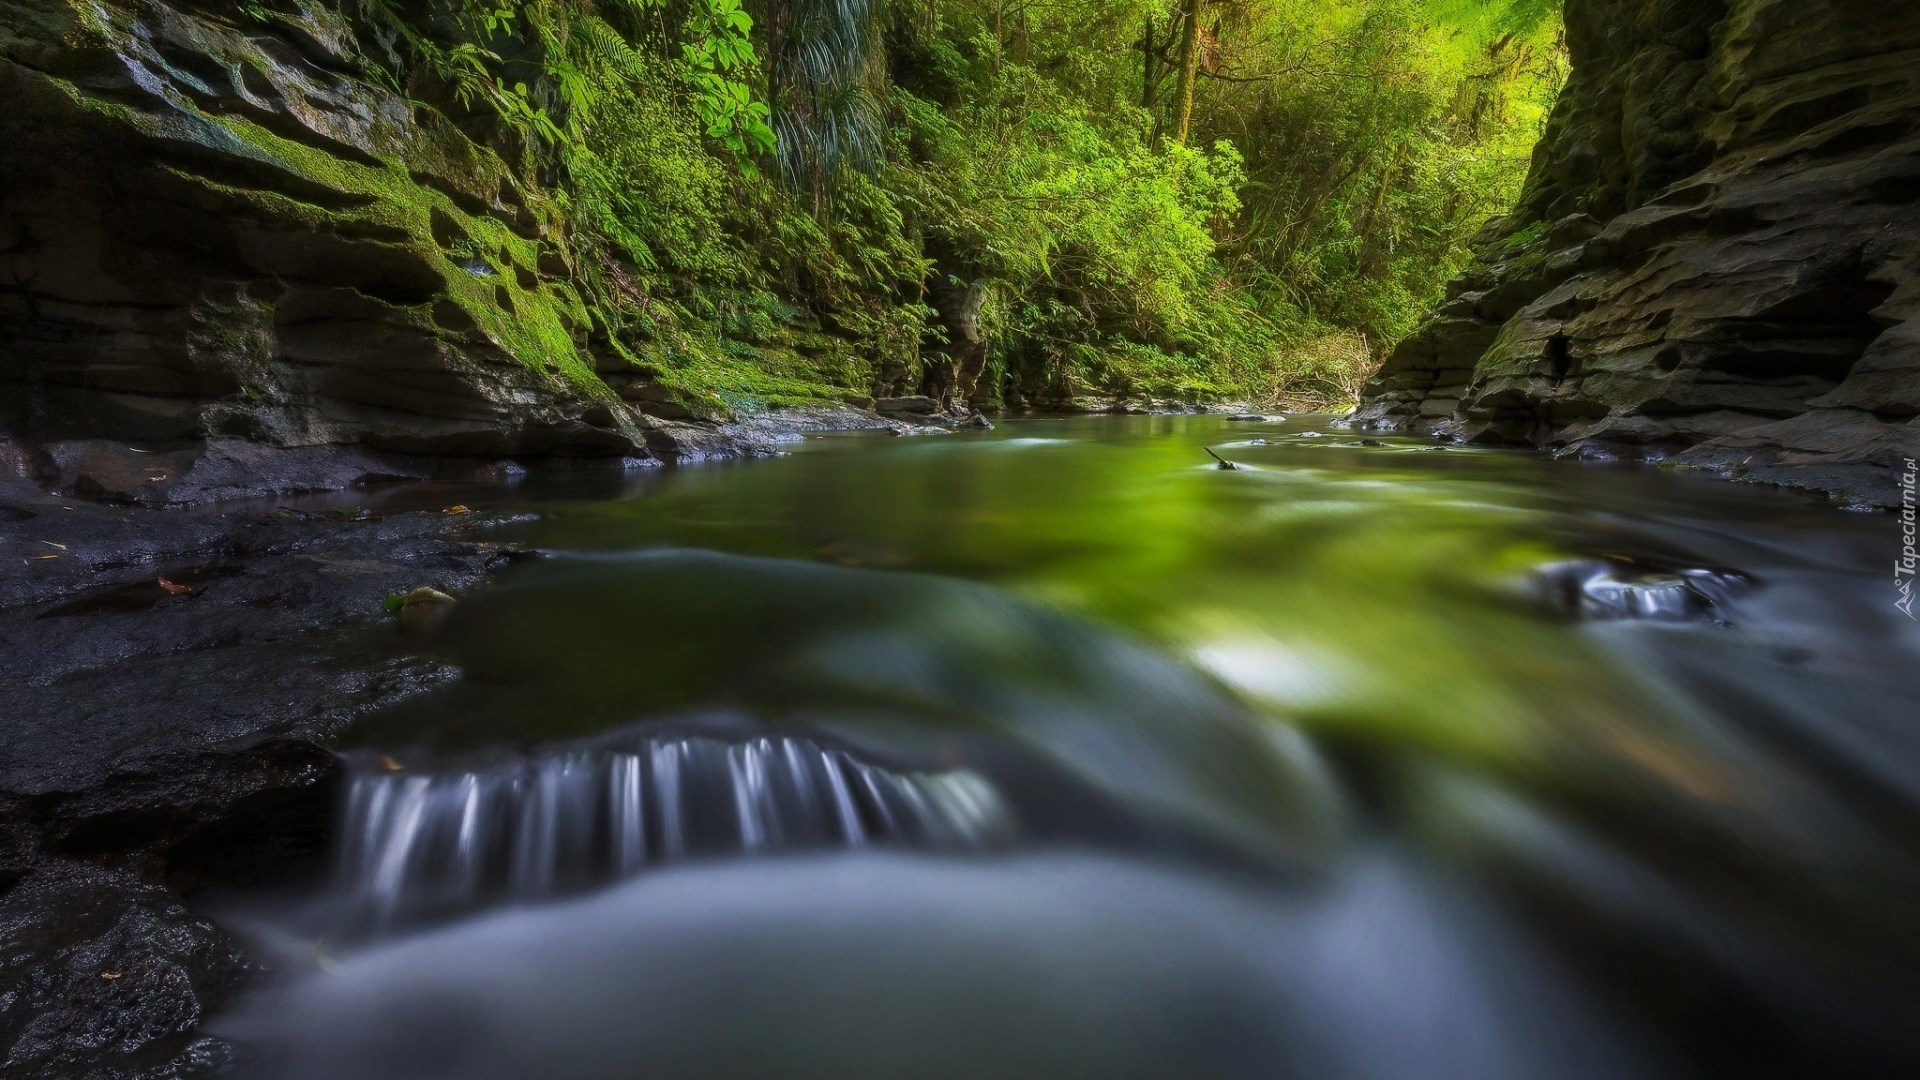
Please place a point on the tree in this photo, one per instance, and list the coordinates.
(1191, 13)
(823, 71)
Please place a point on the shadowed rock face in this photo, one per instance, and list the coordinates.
(212, 226)
(228, 239)
(1717, 255)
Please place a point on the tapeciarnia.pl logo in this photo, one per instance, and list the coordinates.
(1903, 570)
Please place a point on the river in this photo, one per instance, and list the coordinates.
(1060, 750)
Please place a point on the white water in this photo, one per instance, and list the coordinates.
(1493, 767)
(1034, 966)
(416, 843)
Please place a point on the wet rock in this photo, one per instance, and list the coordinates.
(913, 405)
(657, 400)
(277, 643)
(1712, 259)
(666, 410)
(102, 975)
(760, 434)
(163, 741)
(111, 471)
(1604, 589)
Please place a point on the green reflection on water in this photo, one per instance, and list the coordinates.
(1745, 782)
(1371, 589)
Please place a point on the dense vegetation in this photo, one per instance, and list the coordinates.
(1166, 199)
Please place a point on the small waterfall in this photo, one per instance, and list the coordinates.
(416, 844)
(1604, 589)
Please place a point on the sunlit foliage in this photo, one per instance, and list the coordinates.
(761, 189)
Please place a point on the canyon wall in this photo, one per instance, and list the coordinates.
(217, 225)
(218, 229)
(1716, 259)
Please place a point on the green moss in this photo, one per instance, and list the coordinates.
(1520, 239)
(536, 325)
(1117, 263)
(539, 325)
(716, 381)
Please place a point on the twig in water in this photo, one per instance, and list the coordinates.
(1224, 463)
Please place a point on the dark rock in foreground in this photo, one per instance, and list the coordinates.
(104, 975)
(165, 679)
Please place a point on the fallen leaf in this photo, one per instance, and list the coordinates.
(110, 975)
(456, 508)
(390, 764)
(176, 589)
(44, 558)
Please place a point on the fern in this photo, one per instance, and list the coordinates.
(610, 47)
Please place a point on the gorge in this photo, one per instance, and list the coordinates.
(392, 646)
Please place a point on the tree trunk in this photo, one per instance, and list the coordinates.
(1189, 69)
(1148, 76)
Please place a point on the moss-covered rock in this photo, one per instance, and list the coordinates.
(217, 224)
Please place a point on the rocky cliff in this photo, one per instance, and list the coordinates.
(1716, 258)
(223, 225)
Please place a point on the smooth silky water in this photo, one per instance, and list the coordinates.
(1059, 751)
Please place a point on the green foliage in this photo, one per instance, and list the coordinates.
(1343, 153)
(580, 52)
(717, 56)
(1381, 168)
(824, 78)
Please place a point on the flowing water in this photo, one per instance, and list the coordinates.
(1060, 751)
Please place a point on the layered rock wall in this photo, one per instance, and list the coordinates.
(1716, 258)
(222, 225)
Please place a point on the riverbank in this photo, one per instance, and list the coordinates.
(168, 679)
(175, 667)
(176, 647)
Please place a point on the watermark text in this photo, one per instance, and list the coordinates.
(1903, 570)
